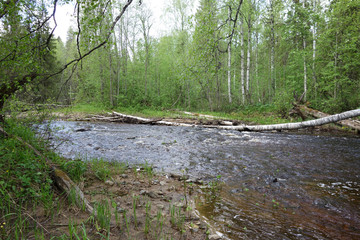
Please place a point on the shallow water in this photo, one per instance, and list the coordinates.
(277, 186)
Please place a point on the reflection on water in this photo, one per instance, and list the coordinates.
(277, 186)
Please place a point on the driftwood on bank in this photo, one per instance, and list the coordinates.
(119, 117)
(62, 180)
(354, 124)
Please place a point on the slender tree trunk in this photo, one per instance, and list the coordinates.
(248, 59)
(257, 66)
(335, 65)
(110, 79)
(272, 54)
(314, 52)
(305, 67)
(229, 66)
(242, 57)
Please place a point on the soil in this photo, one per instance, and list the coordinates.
(162, 209)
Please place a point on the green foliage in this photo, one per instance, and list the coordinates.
(23, 174)
(75, 169)
(101, 168)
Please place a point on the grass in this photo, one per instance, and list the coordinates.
(254, 114)
(26, 187)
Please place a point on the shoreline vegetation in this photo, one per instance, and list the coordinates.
(131, 202)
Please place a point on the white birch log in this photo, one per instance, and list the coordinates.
(256, 128)
(298, 125)
(317, 114)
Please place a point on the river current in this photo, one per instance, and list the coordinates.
(277, 185)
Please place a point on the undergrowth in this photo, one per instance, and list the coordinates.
(25, 180)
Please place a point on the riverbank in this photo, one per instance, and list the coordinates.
(248, 116)
(131, 202)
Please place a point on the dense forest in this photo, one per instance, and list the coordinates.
(227, 55)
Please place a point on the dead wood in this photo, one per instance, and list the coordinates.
(242, 127)
(62, 180)
(353, 124)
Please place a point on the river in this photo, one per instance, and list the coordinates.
(277, 185)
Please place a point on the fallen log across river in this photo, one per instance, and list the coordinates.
(119, 117)
(354, 124)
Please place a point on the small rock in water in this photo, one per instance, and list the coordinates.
(82, 130)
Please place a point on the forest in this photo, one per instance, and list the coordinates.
(222, 56)
(218, 57)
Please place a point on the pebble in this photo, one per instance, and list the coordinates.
(159, 193)
(147, 193)
(120, 210)
(110, 183)
(124, 176)
(214, 237)
(160, 206)
(162, 183)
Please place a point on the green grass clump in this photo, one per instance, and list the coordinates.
(101, 168)
(25, 180)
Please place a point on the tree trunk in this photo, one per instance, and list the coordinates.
(298, 125)
(314, 52)
(242, 59)
(229, 68)
(305, 68)
(110, 79)
(254, 128)
(248, 59)
(354, 124)
(272, 54)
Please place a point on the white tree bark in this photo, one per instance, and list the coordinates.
(248, 58)
(272, 84)
(229, 66)
(242, 59)
(305, 68)
(314, 51)
(298, 125)
(254, 128)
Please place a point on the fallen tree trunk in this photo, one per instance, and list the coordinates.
(62, 180)
(134, 119)
(298, 125)
(317, 114)
(257, 128)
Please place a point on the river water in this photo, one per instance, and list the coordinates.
(277, 185)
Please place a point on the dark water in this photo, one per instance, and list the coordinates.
(277, 186)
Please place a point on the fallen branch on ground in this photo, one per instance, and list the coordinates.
(62, 180)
